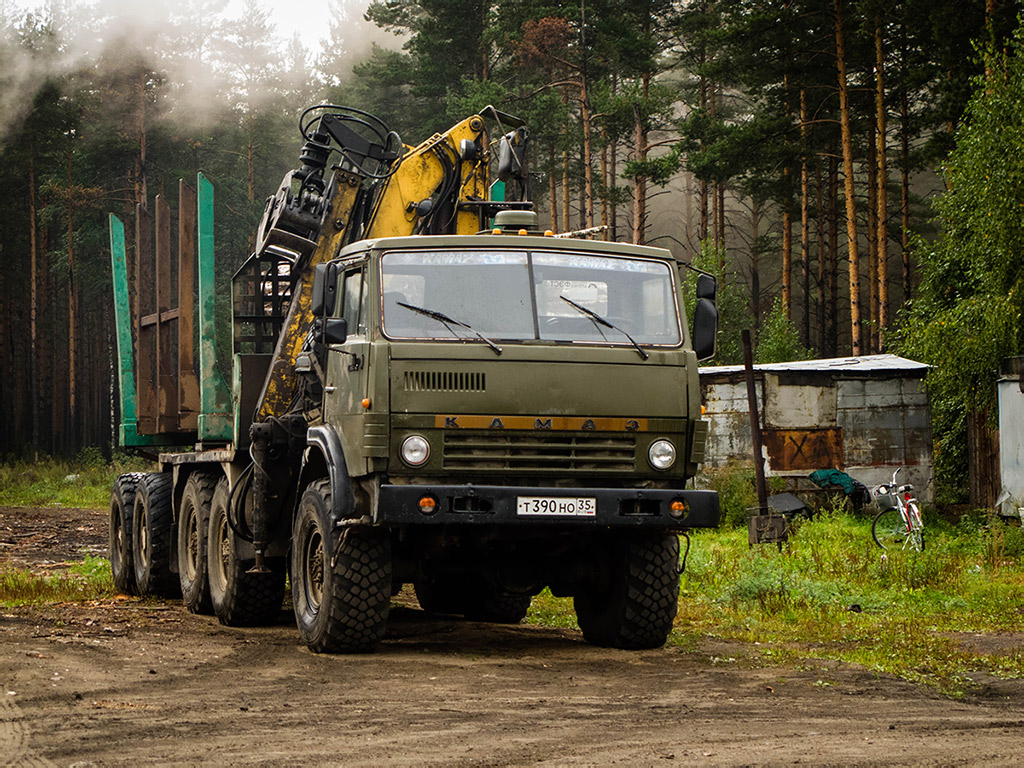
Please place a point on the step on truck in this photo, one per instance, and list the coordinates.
(425, 389)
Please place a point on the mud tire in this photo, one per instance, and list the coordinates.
(239, 598)
(193, 530)
(344, 608)
(632, 603)
(122, 506)
(152, 534)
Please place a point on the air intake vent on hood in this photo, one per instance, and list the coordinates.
(444, 381)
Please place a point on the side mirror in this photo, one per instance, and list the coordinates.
(512, 155)
(705, 328)
(707, 287)
(325, 289)
(336, 330)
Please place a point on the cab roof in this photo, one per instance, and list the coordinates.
(507, 241)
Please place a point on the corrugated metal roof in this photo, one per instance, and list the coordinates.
(862, 364)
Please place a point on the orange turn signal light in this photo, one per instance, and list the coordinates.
(366, 402)
(522, 231)
(428, 505)
(677, 508)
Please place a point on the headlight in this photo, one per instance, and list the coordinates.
(662, 454)
(415, 450)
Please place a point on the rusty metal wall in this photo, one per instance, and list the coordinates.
(865, 426)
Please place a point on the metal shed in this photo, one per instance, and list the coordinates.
(864, 415)
(1011, 437)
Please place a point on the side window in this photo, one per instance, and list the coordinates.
(353, 302)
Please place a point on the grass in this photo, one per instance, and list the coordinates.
(84, 482)
(830, 593)
(89, 579)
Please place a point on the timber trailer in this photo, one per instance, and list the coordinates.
(425, 389)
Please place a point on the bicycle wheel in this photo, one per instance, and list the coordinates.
(889, 530)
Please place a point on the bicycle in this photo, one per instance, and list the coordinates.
(898, 524)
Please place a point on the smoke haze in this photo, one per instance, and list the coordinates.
(211, 53)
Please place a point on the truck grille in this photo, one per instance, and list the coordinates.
(445, 381)
(529, 452)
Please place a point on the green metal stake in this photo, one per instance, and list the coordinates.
(123, 325)
(215, 415)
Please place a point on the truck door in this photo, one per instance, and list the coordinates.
(346, 382)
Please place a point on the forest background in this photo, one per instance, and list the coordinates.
(850, 169)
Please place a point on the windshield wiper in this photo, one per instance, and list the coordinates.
(606, 323)
(448, 322)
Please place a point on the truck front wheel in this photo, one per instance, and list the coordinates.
(240, 597)
(341, 580)
(631, 603)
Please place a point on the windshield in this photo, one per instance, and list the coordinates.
(516, 296)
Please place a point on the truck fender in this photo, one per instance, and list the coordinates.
(324, 457)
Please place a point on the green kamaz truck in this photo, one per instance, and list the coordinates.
(425, 389)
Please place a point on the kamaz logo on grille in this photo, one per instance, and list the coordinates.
(547, 423)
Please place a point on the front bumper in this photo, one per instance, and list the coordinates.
(497, 505)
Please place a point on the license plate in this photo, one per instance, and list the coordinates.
(542, 506)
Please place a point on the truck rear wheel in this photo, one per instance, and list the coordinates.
(193, 529)
(152, 530)
(632, 603)
(239, 598)
(122, 504)
(340, 606)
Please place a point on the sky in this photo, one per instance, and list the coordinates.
(309, 18)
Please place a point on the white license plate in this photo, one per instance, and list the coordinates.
(542, 506)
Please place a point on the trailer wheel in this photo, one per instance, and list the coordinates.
(193, 529)
(152, 530)
(339, 608)
(488, 602)
(239, 598)
(632, 603)
(122, 503)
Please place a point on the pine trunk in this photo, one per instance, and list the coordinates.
(755, 266)
(805, 222)
(905, 193)
(883, 183)
(72, 306)
(833, 253)
(588, 169)
(871, 337)
(552, 189)
(856, 346)
(33, 300)
(604, 182)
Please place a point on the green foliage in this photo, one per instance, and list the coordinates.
(733, 310)
(736, 492)
(89, 579)
(779, 340)
(85, 483)
(968, 313)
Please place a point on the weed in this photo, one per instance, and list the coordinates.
(89, 579)
(83, 483)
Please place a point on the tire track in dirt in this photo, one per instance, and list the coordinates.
(15, 738)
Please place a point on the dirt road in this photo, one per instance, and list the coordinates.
(128, 681)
